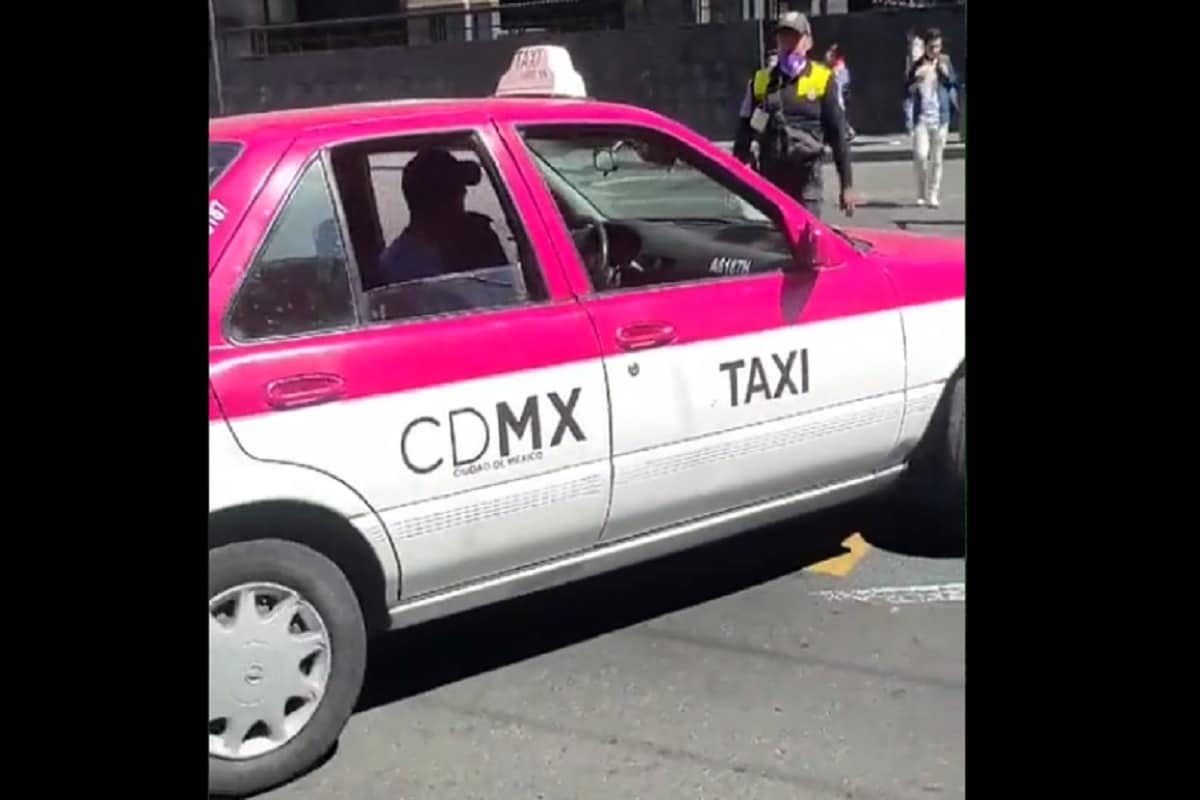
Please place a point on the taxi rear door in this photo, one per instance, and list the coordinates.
(478, 429)
(727, 389)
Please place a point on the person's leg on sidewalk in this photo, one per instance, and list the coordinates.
(937, 148)
(921, 160)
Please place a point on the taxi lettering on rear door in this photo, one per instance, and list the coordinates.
(476, 444)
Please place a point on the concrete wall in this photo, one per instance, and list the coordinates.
(874, 44)
(694, 73)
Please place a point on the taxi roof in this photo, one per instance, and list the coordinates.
(295, 121)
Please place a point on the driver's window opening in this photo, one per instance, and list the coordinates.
(432, 231)
(644, 209)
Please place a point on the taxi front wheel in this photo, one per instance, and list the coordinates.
(942, 476)
(927, 508)
(287, 653)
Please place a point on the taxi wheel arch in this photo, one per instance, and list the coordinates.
(323, 630)
(941, 445)
(318, 529)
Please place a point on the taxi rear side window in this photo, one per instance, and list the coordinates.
(299, 284)
(220, 156)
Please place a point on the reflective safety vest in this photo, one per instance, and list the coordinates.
(811, 85)
(801, 107)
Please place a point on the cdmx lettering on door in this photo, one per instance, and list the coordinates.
(766, 379)
(472, 440)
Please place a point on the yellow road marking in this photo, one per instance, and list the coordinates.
(841, 566)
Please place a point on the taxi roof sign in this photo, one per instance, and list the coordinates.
(541, 71)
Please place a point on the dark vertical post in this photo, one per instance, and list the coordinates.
(216, 56)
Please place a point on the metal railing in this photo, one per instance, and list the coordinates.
(916, 3)
(462, 22)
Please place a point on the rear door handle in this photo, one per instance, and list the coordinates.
(643, 335)
(304, 390)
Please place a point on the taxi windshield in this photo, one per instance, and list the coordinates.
(630, 179)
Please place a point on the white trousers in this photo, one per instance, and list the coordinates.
(929, 143)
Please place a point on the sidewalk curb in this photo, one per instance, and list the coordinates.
(885, 153)
(953, 152)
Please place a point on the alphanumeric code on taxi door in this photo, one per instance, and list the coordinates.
(494, 438)
(770, 377)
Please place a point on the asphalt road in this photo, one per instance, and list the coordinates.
(799, 661)
(887, 194)
(781, 664)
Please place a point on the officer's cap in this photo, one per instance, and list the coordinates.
(793, 21)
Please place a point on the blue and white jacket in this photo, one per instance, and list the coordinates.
(947, 95)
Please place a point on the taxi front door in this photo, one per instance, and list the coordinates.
(730, 390)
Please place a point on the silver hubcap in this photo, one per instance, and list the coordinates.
(268, 665)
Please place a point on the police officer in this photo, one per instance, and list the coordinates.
(791, 109)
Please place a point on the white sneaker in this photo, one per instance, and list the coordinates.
(933, 201)
(920, 201)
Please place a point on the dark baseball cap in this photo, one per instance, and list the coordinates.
(434, 171)
(793, 21)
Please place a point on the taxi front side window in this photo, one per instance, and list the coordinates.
(299, 283)
(646, 210)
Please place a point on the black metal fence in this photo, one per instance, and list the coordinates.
(693, 68)
(462, 22)
(487, 20)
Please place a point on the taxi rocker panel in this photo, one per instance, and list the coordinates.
(634, 550)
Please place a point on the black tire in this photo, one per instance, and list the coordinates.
(928, 506)
(945, 470)
(319, 582)
(956, 435)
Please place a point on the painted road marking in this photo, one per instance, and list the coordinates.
(841, 566)
(900, 595)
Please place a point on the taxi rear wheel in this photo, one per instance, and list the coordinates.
(286, 658)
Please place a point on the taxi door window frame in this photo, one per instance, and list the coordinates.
(698, 161)
(537, 293)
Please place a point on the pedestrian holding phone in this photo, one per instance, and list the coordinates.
(931, 100)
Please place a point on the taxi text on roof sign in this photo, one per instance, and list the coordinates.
(541, 71)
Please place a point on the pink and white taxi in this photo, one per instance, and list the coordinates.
(463, 350)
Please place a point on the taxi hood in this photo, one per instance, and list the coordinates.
(922, 267)
(900, 243)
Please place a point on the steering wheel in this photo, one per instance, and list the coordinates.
(596, 260)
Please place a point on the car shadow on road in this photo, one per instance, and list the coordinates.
(434, 654)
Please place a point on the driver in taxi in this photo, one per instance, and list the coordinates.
(442, 237)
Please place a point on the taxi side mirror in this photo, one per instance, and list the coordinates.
(604, 161)
(808, 250)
